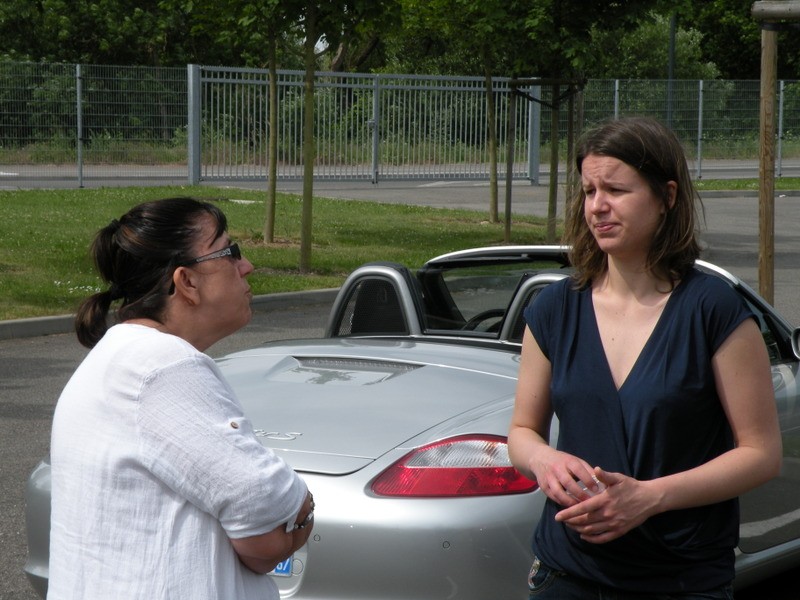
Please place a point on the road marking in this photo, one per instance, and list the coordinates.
(757, 528)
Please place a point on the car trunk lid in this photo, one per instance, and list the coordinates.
(335, 412)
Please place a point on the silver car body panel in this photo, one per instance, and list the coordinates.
(367, 397)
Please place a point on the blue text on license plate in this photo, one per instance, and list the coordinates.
(283, 569)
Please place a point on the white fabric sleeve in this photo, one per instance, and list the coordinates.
(196, 440)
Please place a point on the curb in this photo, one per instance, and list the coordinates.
(746, 194)
(60, 324)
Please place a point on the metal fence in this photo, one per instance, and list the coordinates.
(79, 122)
(62, 121)
(366, 126)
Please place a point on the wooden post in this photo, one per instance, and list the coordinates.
(766, 169)
(771, 15)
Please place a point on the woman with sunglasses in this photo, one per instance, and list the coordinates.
(160, 487)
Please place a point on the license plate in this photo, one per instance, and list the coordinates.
(283, 569)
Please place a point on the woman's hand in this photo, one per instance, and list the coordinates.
(564, 478)
(625, 503)
(262, 553)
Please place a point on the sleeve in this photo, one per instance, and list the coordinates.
(196, 440)
(723, 309)
(540, 315)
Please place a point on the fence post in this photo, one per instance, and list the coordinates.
(194, 102)
(700, 130)
(616, 98)
(511, 127)
(79, 122)
(534, 135)
(376, 115)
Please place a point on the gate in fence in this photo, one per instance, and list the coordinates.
(366, 127)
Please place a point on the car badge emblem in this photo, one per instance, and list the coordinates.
(277, 435)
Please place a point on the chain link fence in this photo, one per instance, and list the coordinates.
(195, 124)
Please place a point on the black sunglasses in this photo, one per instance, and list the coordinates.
(233, 251)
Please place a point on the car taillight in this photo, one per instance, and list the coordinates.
(469, 465)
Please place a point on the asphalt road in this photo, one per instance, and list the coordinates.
(33, 370)
(13, 177)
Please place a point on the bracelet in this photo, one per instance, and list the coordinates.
(309, 517)
(305, 522)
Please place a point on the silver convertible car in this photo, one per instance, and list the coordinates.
(397, 420)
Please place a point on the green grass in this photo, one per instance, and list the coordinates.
(746, 185)
(45, 268)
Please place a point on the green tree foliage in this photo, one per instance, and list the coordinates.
(732, 39)
(526, 37)
(124, 32)
(356, 37)
(240, 33)
(560, 30)
(418, 44)
(459, 37)
(577, 36)
(139, 32)
(642, 52)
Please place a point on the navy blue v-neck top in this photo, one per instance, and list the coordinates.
(665, 418)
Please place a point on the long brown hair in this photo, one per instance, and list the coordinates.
(656, 153)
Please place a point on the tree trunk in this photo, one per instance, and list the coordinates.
(491, 134)
(309, 150)
(272, 178)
